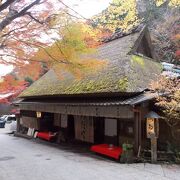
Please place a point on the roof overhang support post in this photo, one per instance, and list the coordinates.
(152, 128)
(137, 127)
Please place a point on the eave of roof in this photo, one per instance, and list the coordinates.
(146, 96)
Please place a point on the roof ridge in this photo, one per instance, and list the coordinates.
(120, 34)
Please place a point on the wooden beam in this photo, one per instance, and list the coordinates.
(138, 130)
(96, 111)
(136, 135)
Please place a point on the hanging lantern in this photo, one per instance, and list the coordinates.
(38, 114)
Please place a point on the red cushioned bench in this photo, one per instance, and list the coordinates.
(46, 135)
(113, 152)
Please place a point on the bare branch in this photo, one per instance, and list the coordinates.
(13, 30)
(23, 12)
(20, 58)
(6, 4)
(35, 19)
(44, 49)
(12, 15)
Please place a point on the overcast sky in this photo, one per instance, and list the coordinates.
(5, 69)
(86, 8)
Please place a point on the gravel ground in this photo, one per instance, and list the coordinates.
(22, 159)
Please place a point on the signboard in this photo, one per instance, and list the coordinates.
(152, 127)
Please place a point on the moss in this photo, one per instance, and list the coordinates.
(123, 84)
(138, 59)
(160, 66)
(97, 85)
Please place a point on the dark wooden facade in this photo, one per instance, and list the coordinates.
(128, 120)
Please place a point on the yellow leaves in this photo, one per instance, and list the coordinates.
(65, 54)
(79, 68)
(160, 2)
(174, 3)
(177, 36)
(59, 19)
(120, 14)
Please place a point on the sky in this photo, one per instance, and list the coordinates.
(4, 69)
(87, 8)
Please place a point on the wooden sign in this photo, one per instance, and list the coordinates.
(152, 127)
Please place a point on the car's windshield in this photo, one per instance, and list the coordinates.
(11, 118)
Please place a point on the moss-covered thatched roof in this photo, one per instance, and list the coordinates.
(125, 71)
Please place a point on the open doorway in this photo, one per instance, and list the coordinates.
(46, 122)
(71, 128)
(98, 130)
(111, 134)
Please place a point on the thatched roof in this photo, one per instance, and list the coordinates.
(126, 71)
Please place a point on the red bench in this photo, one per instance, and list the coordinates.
(105, 149)
(46, 135)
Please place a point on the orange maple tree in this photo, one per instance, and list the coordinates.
(22, 24)
(10, 87)
(72, 51)
(168, 101)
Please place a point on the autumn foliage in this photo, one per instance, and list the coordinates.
(77, 39)
(21, 26)
(169, 100)
(161, 17)
(10, 87)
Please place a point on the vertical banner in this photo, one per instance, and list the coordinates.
(57, 120)
(150, 127)
(64, 118)
(110, 127)
(84, 128)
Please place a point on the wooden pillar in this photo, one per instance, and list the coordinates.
(136, 123)
(153, 149)
(152, 133)
(18, 124)
(137, 130)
